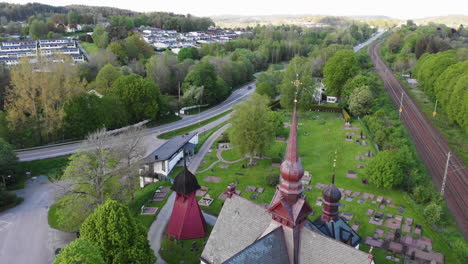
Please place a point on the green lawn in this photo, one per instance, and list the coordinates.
(89, 47)
(320, 136)
(190, 128)
(178, 251)
(452, 133)
(51, 167)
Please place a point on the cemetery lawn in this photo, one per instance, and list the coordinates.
(319, 136)
(179, 251)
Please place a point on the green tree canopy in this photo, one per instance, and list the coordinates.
(360, 101)
(252, 126)
(298, 69)
(384, 170)
(119, 50)
(204, 74)
(338, 70)
(119, 237)
(100, 37)
(80, 251)
(188, 53)
(8, 161)
(139, 95)
(87, 113)
(106, 78)
(266, 89)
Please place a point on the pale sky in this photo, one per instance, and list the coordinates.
(394, 8)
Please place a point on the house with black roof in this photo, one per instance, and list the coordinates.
(161, 162)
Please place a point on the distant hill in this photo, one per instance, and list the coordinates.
(453, 20)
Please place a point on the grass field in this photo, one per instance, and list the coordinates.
(46, 167)
(320, 136)
(89, 47)
(190, 128)
(175, 252)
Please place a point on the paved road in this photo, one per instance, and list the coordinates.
(25, 236)
(369, 41)
(236, 97)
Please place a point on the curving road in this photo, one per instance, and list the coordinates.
(236, 97)
(431, 146)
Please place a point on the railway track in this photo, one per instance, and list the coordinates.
(431, 146)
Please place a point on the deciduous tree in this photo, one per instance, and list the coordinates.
(384, 171)
(252, 126)
(80, 251)
(360, 101)
(100, 37)
(338, 70)
(139, 95)
(119, 237)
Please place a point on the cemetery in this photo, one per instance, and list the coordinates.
(383, 217)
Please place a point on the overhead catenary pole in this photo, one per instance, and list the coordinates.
(442, 190)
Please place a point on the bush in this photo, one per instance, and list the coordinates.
(422, 194)
(8, 199)
(276, 160)
(224, 138)
(460, 248)
(433, 213)
(272, 180)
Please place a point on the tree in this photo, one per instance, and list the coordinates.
(80, 251)
(106, 78)
(384, 171)
(298, 69)
(139, 95)
(36, 98)
(8, 162)
(132, 150)
(100, 37)
(158, 69)
(252, 127)
(119, 237)
(87, 113)
(338, 70)
(38, 29)
(99, 59)
(73, 17)
(4, 81)
(204, 74)
(119, 50)
(266, 89)
(187, 53)
(360, 101)
(433, 213)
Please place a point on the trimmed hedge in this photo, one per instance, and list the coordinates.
(346, 116)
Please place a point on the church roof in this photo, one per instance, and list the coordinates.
(238, 233)
(337, 229)
(318, 248)
(240, 223)
(185, 182)
(270, 249)
(331, 193)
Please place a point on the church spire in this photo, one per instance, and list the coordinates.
(331, 196)
(291, 168)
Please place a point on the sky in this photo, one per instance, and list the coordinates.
(403, 9)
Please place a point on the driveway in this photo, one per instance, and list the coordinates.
(25, 235)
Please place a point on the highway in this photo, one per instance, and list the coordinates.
(236, 97)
